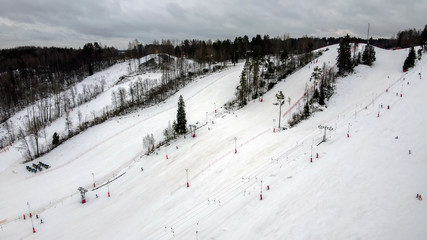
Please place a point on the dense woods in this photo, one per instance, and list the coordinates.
(42, 80)
(28, 74)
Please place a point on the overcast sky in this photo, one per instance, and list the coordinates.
(72, 23)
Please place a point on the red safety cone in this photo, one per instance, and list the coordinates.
(34, 230)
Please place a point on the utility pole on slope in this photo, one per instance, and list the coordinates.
(186, 170)
(326, 128)
(31, 217)
(93, 178)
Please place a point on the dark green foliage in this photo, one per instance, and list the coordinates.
(255, 82)
(344, 56)
(424, 38)
(28, 74)
(306, 110)
(316, 94)
(368, 56)
(317, 73)
(174, 126)
(322, 97)
(359, 58)
(410, 60)
(181, 120)
(90, 69)
(408, 38)
(243, 89)
(55, 139)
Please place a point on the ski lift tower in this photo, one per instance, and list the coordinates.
(326, 128)
(83, 192)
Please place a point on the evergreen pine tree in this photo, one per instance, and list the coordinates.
(344, 56)
(410, 60)
(181, 120)
(424, 38)
(359, 58)
(256, 78)
(243, 89)
(306, 110)
(368, 57)
(55, 139)
(316, 94)
(322, 94)
(317, 73)
(90, 69)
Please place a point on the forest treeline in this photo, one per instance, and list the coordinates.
(29, 74)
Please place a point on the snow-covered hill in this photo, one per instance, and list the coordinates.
(360, 187)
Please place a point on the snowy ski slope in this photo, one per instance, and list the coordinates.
(361, 187)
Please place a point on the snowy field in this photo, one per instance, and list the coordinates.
(360, 187)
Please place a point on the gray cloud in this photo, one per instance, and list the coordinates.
(113, 22)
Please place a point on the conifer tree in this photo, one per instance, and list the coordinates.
(55, 139)
(322, 95)
(256, 79)
(243, 89)
(368, 56)
(344, 56)
(181, 121)
(424, 38)
(410, 60)
(306, 110)
(317, 73)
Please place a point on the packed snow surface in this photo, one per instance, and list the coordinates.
(359, 187)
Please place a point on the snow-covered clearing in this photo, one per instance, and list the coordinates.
(361, 187)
